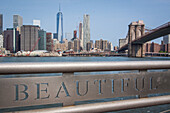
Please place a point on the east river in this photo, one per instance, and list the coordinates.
(154, 109)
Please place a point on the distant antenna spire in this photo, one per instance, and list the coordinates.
(59, 7)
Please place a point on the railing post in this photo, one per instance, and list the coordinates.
(142, 71)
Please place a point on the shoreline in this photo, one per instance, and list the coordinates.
(88, 56)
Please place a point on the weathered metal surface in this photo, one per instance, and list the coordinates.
(106, 106)
(71, 67)
(18, 92)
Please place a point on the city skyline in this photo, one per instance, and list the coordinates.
(113, 15)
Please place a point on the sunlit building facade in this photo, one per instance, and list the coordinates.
(86, 30)
(81, 34)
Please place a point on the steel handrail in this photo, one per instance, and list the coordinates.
(71, 67)
(106, 106)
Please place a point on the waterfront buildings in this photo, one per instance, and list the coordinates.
(36, 23)
(97, 44)
(1, 41)
(86, 30)
(55, 41)
(153, 47)
(66, 42)
(1, 24)
(9, 43)
(81, 34)
(60, 26)
(76, 45)
(70, 45)
(61, 46)
(49, 42)
(110, 46)
(17, 22)
(89, 45)
(29, 37)
(42, 40)
(103, 45)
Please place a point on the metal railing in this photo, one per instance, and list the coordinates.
(71, 67)
(106, 106)
(30, 91)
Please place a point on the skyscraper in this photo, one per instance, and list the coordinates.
(81, 34)
(60, 26)
(29, 37)
(1, 24)
(11, 40)
(86, 30)
(42, 41)
(17, 22)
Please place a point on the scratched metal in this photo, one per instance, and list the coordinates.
(66, 89)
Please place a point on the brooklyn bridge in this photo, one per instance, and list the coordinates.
(138, 35)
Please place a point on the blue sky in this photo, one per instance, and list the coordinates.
(109, 19)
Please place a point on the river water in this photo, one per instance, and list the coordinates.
(154, 109)
(78, 59)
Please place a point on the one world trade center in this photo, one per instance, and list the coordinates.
(60, 26)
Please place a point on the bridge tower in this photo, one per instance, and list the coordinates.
(136, 30)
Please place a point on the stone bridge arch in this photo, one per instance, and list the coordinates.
(136, 30)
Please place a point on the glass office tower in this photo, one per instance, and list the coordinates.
(60, 26)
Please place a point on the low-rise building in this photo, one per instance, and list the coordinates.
(153, 47)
